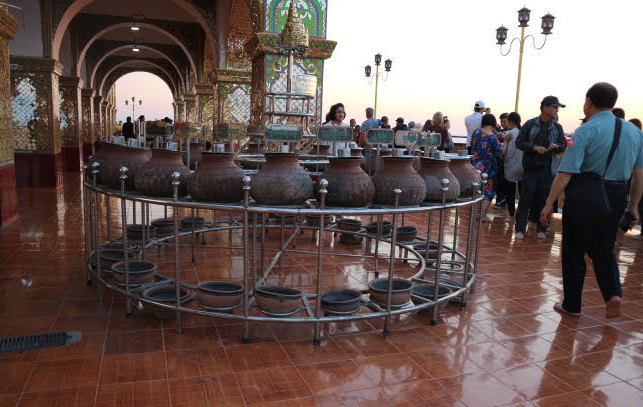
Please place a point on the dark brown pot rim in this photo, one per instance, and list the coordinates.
(278, 292)
(407, 230)
(134, 266)
(347, 158)
(428, 291)
(398, 158)
(116, 254)
(277, 154)
(190, 219)
(216, 154)
(220, 288)
(347, 295)
(165, 293)
(446, 160)
(162, 222)
(352, 222)
(138, 227)
(380, 285)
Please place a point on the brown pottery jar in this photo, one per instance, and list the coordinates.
(372, 164)
(196, 149)
(398, 172)
(281, 181)
(122, 156)
(105, 152)
(465, 173)
(218, 179)
(154, 178)
(433, 171)
(348, 184)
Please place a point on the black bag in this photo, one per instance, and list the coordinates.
(585, 194)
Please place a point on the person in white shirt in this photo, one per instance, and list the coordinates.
(472, 122)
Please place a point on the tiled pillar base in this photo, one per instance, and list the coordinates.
(8, 196)
(39, 170)
(72, 158)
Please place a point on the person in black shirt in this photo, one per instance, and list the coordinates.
(128, 128)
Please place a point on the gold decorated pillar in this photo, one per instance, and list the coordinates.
(71, 122)
(232, 93)
(104, 129)
(180, 110)
(98, 118)
(190, 107)
(175, 111)
(87, 112)
(8, 196)
(205, 104)
(36, 121)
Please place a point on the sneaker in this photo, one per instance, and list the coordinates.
(520, 236)
(542, 235)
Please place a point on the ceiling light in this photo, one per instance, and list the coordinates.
(135, 48)
(134, 27)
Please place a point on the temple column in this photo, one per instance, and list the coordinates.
(190, 107)
(205, 104)
(71, 123)
(98, 118)
(104, 128)
(87, 111)
(175, 110)
(36, 121)
(180, 110)
(8, 189)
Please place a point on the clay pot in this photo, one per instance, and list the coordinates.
(423, 293)
(398, 172)
(218, 179)
(219, 294)
(343, 301)
(163, 226)
(154, 178)
(109, 257)
(348, 184)
(281, 181)
(433, 171)
(357, 152)
(166, 294)
(313, 220)
(188, 222)
(117, 245)
(278, 300)
(105, 152)
(122, 156)
(324, 149)
(372, 164)
(400, 293)
(465, 173)
(371, 228)
(421, 249)
(140, 271)
(196, 158)
(135, 231)
(406, 233)
(351, 225)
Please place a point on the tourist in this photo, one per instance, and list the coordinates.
(596, 235)
(119, 129)
(438, 127)
(540, 139)
(636, 122)
(512, 161)
(486, 147)
(472, 122)
(427, 125)
(447, 125)
(411, 125)
(618, 112)
(128, 128)
(370, 122)
(335, 117)
(385, 124)
(352, 123)
(501, 187)
(399, 124)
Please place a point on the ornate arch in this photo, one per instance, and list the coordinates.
(137, 65)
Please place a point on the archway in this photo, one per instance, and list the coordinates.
(146, 86)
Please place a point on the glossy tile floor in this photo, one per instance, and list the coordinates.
(506, 348)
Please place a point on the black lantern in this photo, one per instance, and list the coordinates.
(378, 59)
(523, 17)
(367, 70)
(387, 65)
(547, 24)
(501, 35)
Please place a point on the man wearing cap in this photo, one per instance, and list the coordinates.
(472, 122)
(540, 139)
(589, 153)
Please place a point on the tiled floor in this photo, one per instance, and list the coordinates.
(506, 348)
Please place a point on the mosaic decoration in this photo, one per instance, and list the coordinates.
(190, 106)
(206, 109)
(98, 120)
(239, 32)
(34, 104)
(87, 111)
(180, 109)
(234, 99)
(276, 80)
(69, 115)
(6, 142)
(312, 12)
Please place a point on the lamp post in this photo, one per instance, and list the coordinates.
(387, 68)
(523, 19)
(140, 103)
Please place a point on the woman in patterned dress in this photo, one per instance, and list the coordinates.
(485, 148)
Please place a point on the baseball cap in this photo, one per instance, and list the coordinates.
(479, 105)
(399, 120)
(551, 101)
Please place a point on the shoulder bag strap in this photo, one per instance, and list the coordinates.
(617, 137)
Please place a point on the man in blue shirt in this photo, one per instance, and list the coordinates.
(596, 237)
(370, 122)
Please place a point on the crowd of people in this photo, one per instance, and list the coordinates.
(605, 151)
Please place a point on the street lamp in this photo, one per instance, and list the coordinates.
(387, 68)
(547, 25)
(140, 103)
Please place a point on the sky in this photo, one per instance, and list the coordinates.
(156, 95)
(445, 58)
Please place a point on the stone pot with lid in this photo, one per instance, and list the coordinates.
(218, 179)
(348, 184)
(281, 181)
(466, 174)
(433, 171)
(154, 178)
(398, 172)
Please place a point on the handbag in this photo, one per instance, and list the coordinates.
(585, 194)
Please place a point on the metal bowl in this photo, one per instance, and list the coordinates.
(343, 301)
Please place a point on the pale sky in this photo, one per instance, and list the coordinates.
(445, 58)
(156, 95)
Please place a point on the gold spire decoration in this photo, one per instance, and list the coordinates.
(294, 36)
